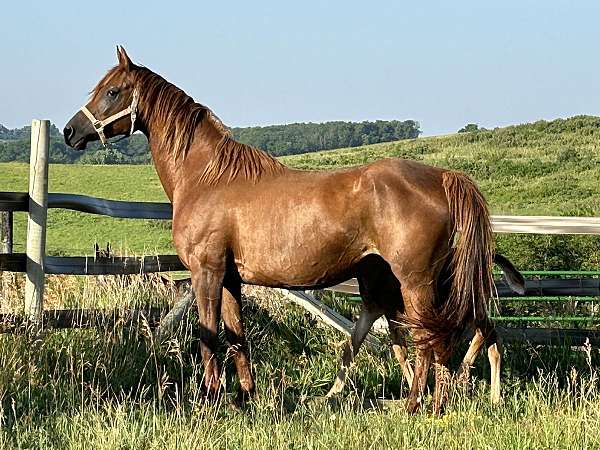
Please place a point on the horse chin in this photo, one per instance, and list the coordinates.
(80, 145)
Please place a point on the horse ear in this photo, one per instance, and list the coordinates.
(123, 58)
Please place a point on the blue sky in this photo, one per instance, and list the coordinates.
(257, 63)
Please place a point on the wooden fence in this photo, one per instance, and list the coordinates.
(36, 264)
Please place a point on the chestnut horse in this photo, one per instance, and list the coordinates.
(402, 228)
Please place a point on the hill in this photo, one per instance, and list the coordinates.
(547, 168)
(295, 138)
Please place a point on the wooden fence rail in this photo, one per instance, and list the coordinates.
(18, 201)
(572, 287)
(89, 265)
(129, 265)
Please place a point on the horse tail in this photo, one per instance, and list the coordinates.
(513, 277)
(470, 262)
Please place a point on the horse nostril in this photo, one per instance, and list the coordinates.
(68, 132)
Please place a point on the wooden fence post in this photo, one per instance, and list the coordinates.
(36, 222)
(6, 246)
(6, 232)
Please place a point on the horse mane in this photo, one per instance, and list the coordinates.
(176, 115)
(240, 160)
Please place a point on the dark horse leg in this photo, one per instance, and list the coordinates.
(371, 276)
(381, 294)
(399, 345)
(208, 286)
(231, 310)
(360, 331)
(368, 315)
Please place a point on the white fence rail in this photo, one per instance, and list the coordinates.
(546, 224)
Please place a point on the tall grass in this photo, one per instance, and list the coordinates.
(114, 387)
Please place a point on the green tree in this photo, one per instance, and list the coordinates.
(469, 128)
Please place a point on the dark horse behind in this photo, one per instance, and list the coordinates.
(400, 227)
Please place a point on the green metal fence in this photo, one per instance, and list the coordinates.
(577, 310)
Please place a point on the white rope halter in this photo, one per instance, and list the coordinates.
(99, 125)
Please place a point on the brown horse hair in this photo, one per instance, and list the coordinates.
(472, 258)
(448, 286)
(161, 102)
(240, 160)
(164, 103)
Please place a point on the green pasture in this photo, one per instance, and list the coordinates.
(114, 388)
(545, 168)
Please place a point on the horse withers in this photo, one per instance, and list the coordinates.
(239, 215)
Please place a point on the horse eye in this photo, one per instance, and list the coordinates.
(112, 92)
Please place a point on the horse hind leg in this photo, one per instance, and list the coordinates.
(376, 283)
(419, 296)
(464, 371)
(399, 345)
(359, 332)
(485, 334)
(442, 377)
(422, 363)
(494, 347)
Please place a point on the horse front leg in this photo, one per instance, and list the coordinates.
(208, 286)
(231, 310)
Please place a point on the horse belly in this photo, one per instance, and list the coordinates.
(299, 262)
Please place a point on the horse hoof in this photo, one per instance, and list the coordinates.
(211, 396)
(242, 399)
(413, 406)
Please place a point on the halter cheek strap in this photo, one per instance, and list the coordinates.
(99, 125)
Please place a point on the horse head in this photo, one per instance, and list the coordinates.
(112, 109)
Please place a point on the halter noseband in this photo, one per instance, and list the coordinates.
(99, 125)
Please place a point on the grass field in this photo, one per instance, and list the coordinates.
(548, 168)
(114, 388)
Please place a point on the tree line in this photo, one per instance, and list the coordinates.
(296, 138)
(277, 140)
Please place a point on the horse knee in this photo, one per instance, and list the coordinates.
(494, 354)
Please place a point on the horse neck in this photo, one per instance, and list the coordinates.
(173, 172)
